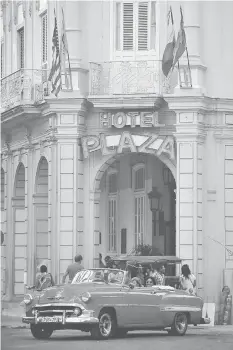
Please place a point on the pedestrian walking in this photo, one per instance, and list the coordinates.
(187, 280)
(72, 269)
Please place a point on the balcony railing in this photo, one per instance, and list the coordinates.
(23, 87)
(130, 77)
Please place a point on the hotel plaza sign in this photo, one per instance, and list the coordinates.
(150, 143)
(137, 143)
(121, 119)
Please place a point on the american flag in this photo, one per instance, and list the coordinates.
(55, 73)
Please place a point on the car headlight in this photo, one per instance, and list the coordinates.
(27, 299)
(85, 297)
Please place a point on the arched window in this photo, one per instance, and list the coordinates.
(139, 186)
(112, 209)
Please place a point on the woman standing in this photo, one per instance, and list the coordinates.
(187, 280)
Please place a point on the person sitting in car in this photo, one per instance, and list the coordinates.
(159, 275)
(136, 282)
(150, 281)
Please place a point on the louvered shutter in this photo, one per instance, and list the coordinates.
(143, 26)
(44, 38)
(21, 47)
(128, 26)
(2, 58)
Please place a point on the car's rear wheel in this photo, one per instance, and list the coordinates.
(180, 324)
(41, 331)
(107, 325)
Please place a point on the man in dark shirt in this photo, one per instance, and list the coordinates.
(72, 269)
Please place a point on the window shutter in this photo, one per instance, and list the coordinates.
(142, 26)
(128, 26)
(21, 47)
(44, 39)
(2, 59)
(118, 26)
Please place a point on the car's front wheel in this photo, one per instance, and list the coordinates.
(180, 324)
(107, 326)
(41, 331)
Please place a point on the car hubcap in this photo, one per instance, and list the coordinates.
(105, 324)
(181, 323)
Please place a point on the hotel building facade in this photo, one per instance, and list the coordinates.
(126, 157)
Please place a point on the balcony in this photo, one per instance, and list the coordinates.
(130, 78)
(24, 87)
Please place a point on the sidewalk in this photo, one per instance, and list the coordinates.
(15, 322)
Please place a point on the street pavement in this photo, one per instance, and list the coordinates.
(195, 339)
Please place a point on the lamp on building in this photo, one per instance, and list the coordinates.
(155, 200)
(167, 176)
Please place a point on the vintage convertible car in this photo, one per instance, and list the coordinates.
(103, 302)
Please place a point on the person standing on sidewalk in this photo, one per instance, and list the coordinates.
(72, 269)
(187, 280)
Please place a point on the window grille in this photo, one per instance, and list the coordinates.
(112, 183)
(112, 219)
(139, 211)
(139, 182)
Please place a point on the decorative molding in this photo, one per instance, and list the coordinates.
(15, 12)
(24, 8)
(30, 9)
(41, 143)
(211, 195)
(20, 155)
(37, 5)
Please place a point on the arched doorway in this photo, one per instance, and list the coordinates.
(20, 234)
(128, 217)
(42, 242)
(3, 242)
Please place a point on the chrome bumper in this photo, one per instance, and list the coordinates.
(83, 319)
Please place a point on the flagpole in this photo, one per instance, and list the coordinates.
(190, 75)
(187, 55)
(71, 83)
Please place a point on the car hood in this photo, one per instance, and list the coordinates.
(70, 292)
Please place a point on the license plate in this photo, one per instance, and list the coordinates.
(54, 319)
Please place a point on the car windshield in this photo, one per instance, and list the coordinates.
(112, 276)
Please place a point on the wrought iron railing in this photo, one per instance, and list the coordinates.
(130, 77)
(25, 86)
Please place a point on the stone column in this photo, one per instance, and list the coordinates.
(29, 186)
(66, 199)
(190, 137)
(52, 208)
(93, 227)
(9, 224)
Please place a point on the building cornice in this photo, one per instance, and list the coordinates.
(139, 102)
(190, 132)
(198, 103)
